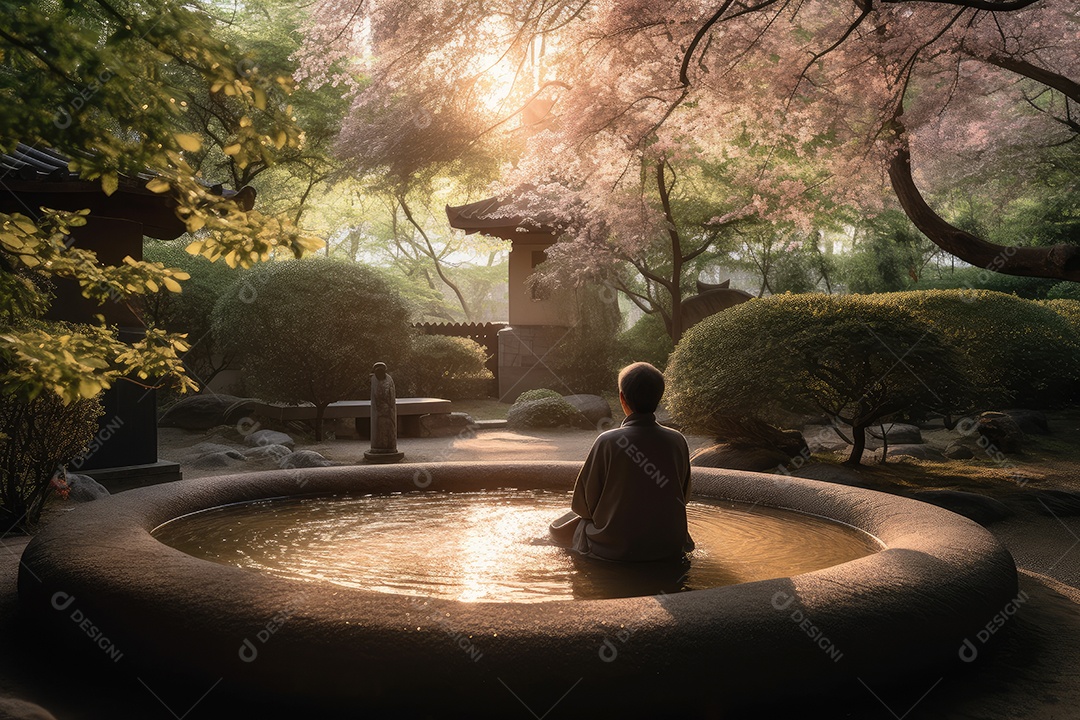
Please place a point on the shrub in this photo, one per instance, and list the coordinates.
(546, 412)
(36, 438)
(537, 394)
(1067, 309)
(972, 278)
(1018, 351)
(860, 359)
(450, 367)
(1064, 291)
(647, 341)
(310, 330)
(190, 311)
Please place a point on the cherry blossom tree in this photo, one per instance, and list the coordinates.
(817, 100)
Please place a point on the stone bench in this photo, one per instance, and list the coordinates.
(409, 411)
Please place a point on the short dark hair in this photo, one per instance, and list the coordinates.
(642, 385)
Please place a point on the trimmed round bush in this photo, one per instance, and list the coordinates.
(546, 412)
(450, 367)
(1069, 310)
(537, 394)
(973, 278)
(310, 330)
(1019, 352)
(859, 359)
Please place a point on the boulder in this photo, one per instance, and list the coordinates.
(1031, 422)
(445, 424)
(207, 448)
(734, 457)
(980, 508)
(549, 412)
(269, 437)
(959, 452)
(919, 452)
(1001, 431)
(303, 459)
(897, 434)
(218, 460)
(83, 488)
(15, 709)
(822, 438)
(207, 410)
(593, 407)
(267, 452)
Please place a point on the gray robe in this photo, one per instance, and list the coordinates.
(632, 492)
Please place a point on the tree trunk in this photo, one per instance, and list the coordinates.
(858, 434)
(320, 410)
(1060, 261)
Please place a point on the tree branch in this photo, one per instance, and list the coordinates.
(1059, 261)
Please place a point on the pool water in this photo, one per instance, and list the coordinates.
(493, 546)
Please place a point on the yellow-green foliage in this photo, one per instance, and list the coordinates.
(1069, 310)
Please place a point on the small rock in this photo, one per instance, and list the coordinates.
(445, 424)
(269, 437)
(733, 457)
(217, 459)
(1001, 431)
(980, 508)
(897, 434)
(919, 452)
(267, 452)
(822, 438)
(303, 459)
(207, 448)
(959, 452)
(1030, 421)
(83, 488)
(202, 412)
(593, 407)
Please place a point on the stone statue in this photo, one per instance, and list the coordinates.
(383, 418)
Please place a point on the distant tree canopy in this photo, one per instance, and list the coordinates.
(607, 110)
(310, 330)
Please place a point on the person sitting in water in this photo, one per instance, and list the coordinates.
(630, 497)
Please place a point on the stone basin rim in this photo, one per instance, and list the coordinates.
(938, 579)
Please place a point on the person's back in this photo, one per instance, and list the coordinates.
(632, 492)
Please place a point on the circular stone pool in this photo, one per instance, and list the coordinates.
(492, 546)
(98, 576)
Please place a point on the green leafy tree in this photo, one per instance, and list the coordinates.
(858, 359)
(107, 84)
(310, 330)
(190, 312)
